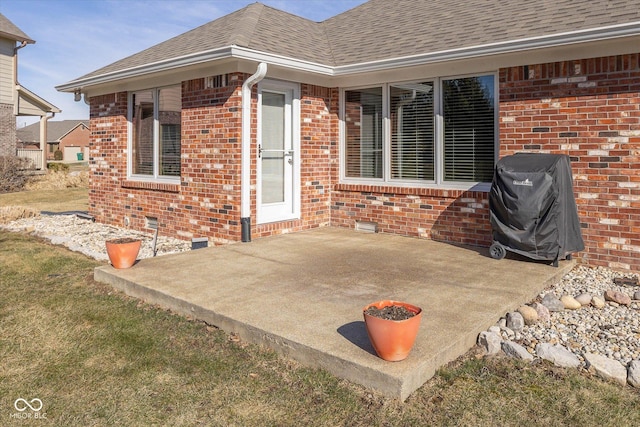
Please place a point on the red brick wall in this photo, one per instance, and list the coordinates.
(590, 110)
(207, 201)
(78, 137)
(107, 157)
(444, 215)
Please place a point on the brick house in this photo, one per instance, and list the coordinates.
(70, 137)
(15, 99)
(387, 115)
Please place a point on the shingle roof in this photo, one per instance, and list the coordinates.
(256, 27)
(55, 130)
(10, 31)
(381, 29)
(384, 29)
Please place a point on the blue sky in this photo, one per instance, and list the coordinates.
(75, 37)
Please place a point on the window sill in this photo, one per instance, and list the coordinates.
(153, 186)
(433, 191)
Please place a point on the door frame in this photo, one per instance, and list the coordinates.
(292, 105)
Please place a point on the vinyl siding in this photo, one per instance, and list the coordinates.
(6, 71)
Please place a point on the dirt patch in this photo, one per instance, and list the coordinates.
(123, 240)
(392, 312)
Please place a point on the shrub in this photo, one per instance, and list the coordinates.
(58, 167)
(12, 177)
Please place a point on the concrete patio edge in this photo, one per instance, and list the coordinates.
(447, 333)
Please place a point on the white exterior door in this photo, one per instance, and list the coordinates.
(278, 189)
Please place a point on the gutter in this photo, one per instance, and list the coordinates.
(245, 160)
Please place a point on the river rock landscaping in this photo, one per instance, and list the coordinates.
(590, 320)
(82, 235)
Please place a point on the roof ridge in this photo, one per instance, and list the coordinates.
(246, 26)
(328, 39)
(56, 129)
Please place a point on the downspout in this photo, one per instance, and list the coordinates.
(245, 161)
(15, 60)
(15, 76)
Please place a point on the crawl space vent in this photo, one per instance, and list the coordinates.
(367, 226)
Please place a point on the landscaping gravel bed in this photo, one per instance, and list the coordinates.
(87, 237)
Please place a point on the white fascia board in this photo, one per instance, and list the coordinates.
(181, 61)
(194, 59)
(282, 61)
(541, 42)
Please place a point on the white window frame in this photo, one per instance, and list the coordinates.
(156, 177)
(439, 181)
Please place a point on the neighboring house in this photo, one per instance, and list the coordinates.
(390, 114)
(15, 99)
(70, 137)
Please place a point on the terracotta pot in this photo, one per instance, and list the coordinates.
(123, 252)
(392, 339)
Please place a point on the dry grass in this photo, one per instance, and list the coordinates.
(54, 192)
(12, 213)
(56, 180)
(97, 357)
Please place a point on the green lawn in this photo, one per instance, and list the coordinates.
(96, 357)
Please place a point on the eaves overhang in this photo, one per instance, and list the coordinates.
(513, 46)
(228, 52)
(329, 71)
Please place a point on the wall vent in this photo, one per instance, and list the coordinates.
(367, 226)
(152, 222)
(215, 82)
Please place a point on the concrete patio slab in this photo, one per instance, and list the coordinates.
(314, 285)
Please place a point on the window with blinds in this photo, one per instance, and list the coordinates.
(156, 117)
(469, 129)
(412, 131)
(363, 133)
(142, 126)
(432, 132)
(170, 118)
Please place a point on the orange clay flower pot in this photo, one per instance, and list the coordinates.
(392, 339)
(123, 252)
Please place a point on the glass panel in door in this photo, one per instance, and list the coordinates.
(273, 147)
